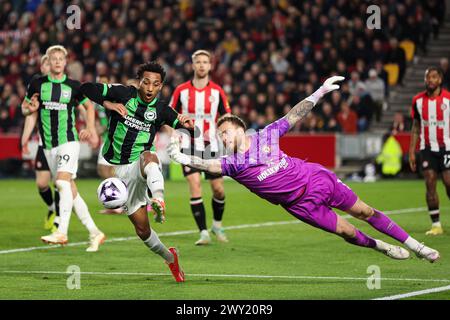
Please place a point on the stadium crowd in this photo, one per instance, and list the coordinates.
(267, 56)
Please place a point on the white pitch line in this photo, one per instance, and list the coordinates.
(229, 276)
(415, 293)
(184, 232)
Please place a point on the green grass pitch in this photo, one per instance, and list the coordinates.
(262, 261)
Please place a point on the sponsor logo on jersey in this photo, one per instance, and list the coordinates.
(51, 105)
(136, 124)
(433, 123)
(283, 164)
(150, 115)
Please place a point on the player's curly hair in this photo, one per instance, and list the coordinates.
(233, 119)
(437, 69)
(151, 66)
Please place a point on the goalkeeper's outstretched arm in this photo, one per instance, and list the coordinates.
(213, 166)
(301, 109)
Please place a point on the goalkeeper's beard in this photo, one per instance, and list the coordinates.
(234, 148)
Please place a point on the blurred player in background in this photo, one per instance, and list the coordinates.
(52, 99)
(204, 101)
(431, 122)
(43, 175)
(308, 191)
(135, 116)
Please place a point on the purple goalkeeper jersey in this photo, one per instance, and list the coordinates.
(266, 170)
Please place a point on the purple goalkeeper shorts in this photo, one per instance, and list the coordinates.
(323, 192)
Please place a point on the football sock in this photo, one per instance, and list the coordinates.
(82, 212)
(434, 215)
(47, 196)
(218, 206)
(361, 240)
(56, 221)
(412, 244)
(158, 247)
(56, 202)
(198, 210)
(217, 224)
(65, 205)
(384, 224)
(155, 180)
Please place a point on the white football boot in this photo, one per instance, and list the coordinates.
(204, 238)
(95, 240)
(55, 238)
(427, 253)
(394, 252)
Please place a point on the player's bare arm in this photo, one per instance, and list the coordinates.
(301, 109)
(415, 132)
(298, 112)
(89, 134)
(211, 165)
(30, 107)
(29, 125)
(186, 121)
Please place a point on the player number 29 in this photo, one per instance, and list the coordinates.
(64, 158)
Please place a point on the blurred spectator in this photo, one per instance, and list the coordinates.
(376, 88)
(363, 106)
(443, 63)
(279, 63)
(253, 121)
(329, 122)
(271, 114)
(4, 120)
(356, 86)
(390, 158)
(436, 8)
(400, 124)
(397, 55)
(382, 74)
(347, 119)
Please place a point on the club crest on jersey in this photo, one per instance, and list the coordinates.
(66, 94)
(266, 149)
(443, 106)
(211, 99)
(150, 115)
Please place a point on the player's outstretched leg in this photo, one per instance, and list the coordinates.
(354, 236)
(155, 182)
(96, 237)
(151, 240)
(386, 225)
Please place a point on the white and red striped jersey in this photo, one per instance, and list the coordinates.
(434, 117)
(205, 106)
